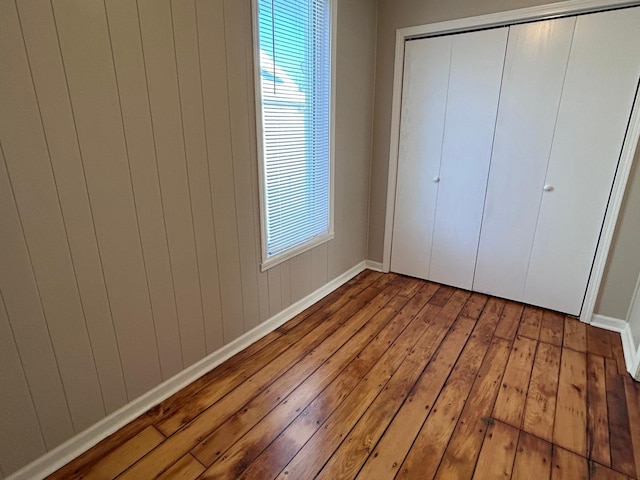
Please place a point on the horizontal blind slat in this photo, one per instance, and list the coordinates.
(295, 87)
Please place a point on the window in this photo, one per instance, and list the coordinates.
(294, 83)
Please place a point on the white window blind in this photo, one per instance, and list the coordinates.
(295, 85)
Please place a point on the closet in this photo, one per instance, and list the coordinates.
(509, 143)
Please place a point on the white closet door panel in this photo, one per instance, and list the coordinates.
(474, 88)
(535, 66)
(600, 85)
(424, 101)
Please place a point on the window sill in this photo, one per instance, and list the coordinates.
(289, 254)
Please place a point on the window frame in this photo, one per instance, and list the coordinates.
(268, 262)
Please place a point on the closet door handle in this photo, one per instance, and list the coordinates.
(436, 179)
(548, 188)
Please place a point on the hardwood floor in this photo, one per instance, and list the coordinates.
(392, 377)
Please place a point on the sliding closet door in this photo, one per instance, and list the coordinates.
(474, 88)
(601, 81)
(534, 73)
(424, 102)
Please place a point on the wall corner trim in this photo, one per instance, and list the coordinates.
(631, 354)
(375, 266)
(80, 443)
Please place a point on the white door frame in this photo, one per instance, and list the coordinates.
(543, 12)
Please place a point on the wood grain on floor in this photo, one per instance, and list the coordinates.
(394, 377)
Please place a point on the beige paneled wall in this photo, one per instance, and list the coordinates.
(623, 264)
(617, 288)
(130, 238)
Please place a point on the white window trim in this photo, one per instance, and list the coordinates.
(541, 12)
(268, 262)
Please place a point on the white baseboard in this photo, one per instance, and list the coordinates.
(635, 367)
(72, 448)
(608, 323)
(375, 266)
(631, 354)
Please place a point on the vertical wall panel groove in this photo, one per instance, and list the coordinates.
(211, 30)
(275, 290)
(50, 84)
(214, 237)
(301, 275)
(29, 167)
(87, 58)
(80, 320)
(22, 301)
(320, 273)
(285, 284)
(159, 57)
(153, 340)
(122, 16)
(356, 34)
(19, 426)
(240, 143)
(189, 180)
(190, 88)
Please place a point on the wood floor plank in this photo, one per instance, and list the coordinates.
(236, 459)
(363, 284)
(272, 461)
(339, 296)
(243, 452)
(187, 468)
(552, 328)
(509, 321)
(374, 319)
(210, 418)
(533, 458)
(474, 306)
(347, 460)
(413, 286)
(310, 459)
(575, 334)
(571, 409)
(498, 452)
(125, 455)
(530, 322)
(513, 394)
(300, 375)
(395, 377)
(600, 472)
(567, 465)
(84, 462)
(232, 367)
(432, 440)
(391, 449)
(540, 407)
(597, 419)
(304, 339)
(618, 352)
(464, 447)
(632, 394)
(598, 342)
(622, 458)
(442, 296)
